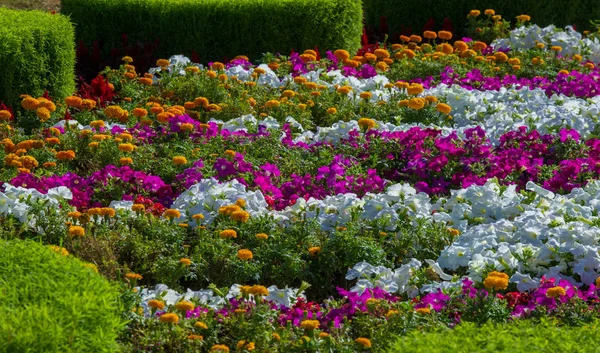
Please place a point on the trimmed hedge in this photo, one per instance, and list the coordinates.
(409, 17)
(522, 336)
(52, 303)
(37, 53)
(218, 29)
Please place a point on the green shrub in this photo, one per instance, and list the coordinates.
(52, 303)
(218, 29)
(37, 53)
(402, 15)
(522, 336)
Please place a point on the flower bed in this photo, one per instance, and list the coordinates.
(311, 205)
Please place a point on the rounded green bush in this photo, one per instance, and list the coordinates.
(53, 303)
(37, 53)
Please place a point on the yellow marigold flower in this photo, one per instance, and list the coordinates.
(93, 144)
(382, 66)
(556, 48)
(195, 337)
(475, 13)
(179, 160)
(220, 348)
(186, 127)
(577, 57)
(443, 108)
(495, 282)
(489, 12)
(523, 18)
(43, 113)
(498, 274)
(323, 335)
(125, 161)
(365, 342)
(240, 216)
(496, 18)
(366, 95)
(169, 318)
(172, 213)
(331, 110)
(300, 80)
(540, 45)
(314, 250)
(57, 249)
(416, 103)
(259, 290)
(276, 336)
(244, 254)
(76, 231)
(263, 236)
(414, 89)
(201, 325)
(127, 59)
(126, 147)
(250, 346)
(156, 304)
(501, 57)
(424, 311)
(198, 217)
(28, 162)
(366, 123)
(344, 90)
(228, 233)
(240, 311)
(163, 62)
(288, 93)
(184, 306)
(185, 261)
(273, 103)
(310, 324)
(65, 155)
(556, 292)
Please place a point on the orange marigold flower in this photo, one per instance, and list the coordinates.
(73, 101)
(259, 290)
(76, 231)
(65, 155)
(443, 108)
(228, 233)
(169, 318)
(172, 213)
(30, 103)
(430, 34)
(220, 348)
(163, 62)
(201, 325)
(240, 216)
(42, 113)
(556, 292)
(179, 160)
(314, 250)
(331, 110)
(184, 305)
(244, 254)
(273, 103)
(133, 276)
(366, 123)
(344, 90)
(365, 342)
(218, 66)
(489, 12)
(156, 304)
(139, 112)
(310, 324)
(264, 236)
(126, 147)
(125, 161)
(445, 35)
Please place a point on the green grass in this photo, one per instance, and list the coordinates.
(523, 336)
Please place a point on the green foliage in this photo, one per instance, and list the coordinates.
(216, 29)
(52, 303)
(522, 336)
(411, 16)
(37, 53)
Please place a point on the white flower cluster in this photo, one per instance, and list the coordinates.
(285, 297)
(571, 41)
(552, 235)
(499, 112)
(18, 201)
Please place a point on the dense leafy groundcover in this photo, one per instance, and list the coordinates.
(301, 204)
